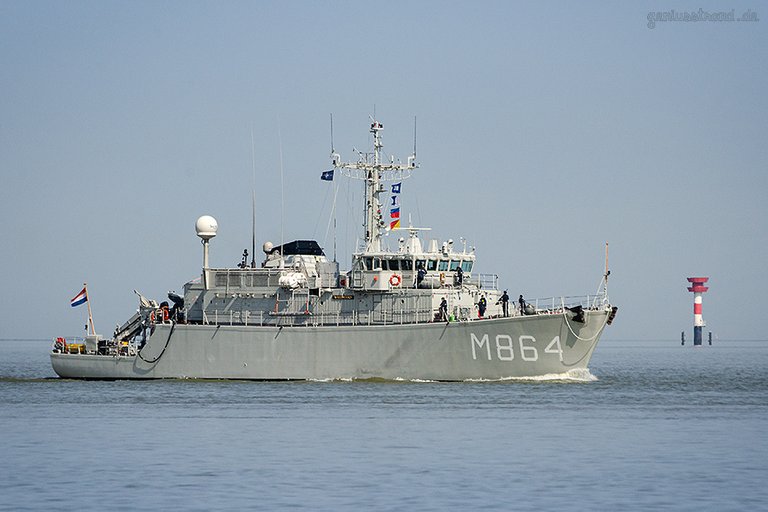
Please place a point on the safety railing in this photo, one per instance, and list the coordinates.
(300, 318)
(555, 305)
(307, 317)
(487, 281)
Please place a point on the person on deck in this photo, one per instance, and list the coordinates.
(481, 306)
(521, 301)
(421, 273)
(504, 303)
(444, 310)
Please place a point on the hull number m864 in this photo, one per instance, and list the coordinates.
(506, 349)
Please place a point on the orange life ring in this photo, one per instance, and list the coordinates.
(395, 280)
(152, 317)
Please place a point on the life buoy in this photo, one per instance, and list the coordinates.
(395, 280)
(152, 317)
(165, 314)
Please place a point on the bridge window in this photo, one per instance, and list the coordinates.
(443, 265)
(432, 265)
(406, 264)
(368, 263)
(466, 266)
(394, 265)
(454, 264)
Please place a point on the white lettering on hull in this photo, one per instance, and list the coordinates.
(506, 348)
(480, 344)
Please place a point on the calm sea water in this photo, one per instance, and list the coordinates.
(662, 427)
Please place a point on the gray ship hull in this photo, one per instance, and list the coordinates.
(498, 348)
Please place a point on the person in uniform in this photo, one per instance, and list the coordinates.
(420, 274)
(444, 310)
(459, 276)
(504, 303)
(522, 305)
(481, 306)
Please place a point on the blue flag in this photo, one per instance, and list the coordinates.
(327, 175)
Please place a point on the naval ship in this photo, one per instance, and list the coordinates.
(419, 311)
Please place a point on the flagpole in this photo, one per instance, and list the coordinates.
(90, 315)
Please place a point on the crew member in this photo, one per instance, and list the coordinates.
(481, 306)
(459, 276)
(522, 305)
(444, 310)
(504, 303)
(421, 273)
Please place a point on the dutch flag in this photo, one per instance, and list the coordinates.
(80, 298)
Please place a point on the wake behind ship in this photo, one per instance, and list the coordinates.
(419, 311)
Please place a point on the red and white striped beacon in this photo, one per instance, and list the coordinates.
(697, 287)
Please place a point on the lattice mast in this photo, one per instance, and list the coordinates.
(370, 168)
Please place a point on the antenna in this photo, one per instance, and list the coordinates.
(253, 202)
(607, 273)
(282, 191)
(253, 229)
(332, 149)
(335, 157)
(412, 158)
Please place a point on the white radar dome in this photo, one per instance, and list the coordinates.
(267, 247)
(206, 227)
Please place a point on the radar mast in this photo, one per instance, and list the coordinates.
(370, 168)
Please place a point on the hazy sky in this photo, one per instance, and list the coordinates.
(545, 129)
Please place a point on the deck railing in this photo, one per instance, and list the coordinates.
(550, 304)
(304, 316)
